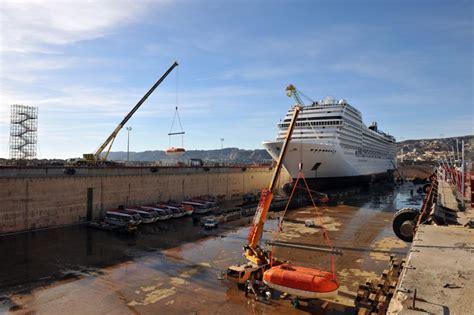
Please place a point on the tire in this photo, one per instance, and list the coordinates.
(69, 171)
(404, 223)
(287, 188)
(296, 303)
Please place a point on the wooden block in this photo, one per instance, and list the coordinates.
(372, 297)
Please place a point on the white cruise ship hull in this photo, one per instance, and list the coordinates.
(328, 165)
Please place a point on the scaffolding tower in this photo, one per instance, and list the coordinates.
(23, 132)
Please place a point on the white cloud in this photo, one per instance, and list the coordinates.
(39, 25)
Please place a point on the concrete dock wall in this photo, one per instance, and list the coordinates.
(412, 171)
(42, 197)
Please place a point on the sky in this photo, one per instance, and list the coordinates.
(406, 64)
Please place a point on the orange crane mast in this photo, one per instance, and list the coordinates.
(258, 259)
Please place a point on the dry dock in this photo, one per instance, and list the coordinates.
(174, 267)
(42, 197)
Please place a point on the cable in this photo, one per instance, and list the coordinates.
(326, 238)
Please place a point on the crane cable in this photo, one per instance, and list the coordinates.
(176, 114)
(326, 238)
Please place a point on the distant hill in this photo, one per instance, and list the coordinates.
(422, 149)
(434, 149)
(234, 155)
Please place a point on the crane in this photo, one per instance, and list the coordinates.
(258, 259)
(97, 158)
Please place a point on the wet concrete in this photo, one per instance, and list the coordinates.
(174, 267)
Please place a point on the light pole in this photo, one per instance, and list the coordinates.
(128, 143)
(222, 151)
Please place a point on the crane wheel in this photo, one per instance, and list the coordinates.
(258, 275)
(296, 303)
(404, 223)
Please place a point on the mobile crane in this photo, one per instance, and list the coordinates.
(260, 260)
(97, 158)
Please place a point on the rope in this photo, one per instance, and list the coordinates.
(325, 232)
(176, 114)
(326, 238)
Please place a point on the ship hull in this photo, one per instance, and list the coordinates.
(327, 165)
(328, 183)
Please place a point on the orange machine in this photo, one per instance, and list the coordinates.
(301, 282)
(258, 259)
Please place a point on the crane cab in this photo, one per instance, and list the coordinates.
(241, 273)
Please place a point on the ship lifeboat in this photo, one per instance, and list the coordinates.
(302, 282)
(175, 151)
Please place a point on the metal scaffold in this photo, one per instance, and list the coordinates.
(23, 132)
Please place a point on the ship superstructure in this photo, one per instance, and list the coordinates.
(333, 145)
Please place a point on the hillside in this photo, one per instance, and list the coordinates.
(434, 149)
(419, 150)
(233, 155)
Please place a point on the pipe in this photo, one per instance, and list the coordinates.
(307, 247)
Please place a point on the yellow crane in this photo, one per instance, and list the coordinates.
(98, 157)
(258, 258)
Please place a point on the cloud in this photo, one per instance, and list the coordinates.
(38, 25)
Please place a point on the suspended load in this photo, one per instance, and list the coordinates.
(176, 151)
(302, 282)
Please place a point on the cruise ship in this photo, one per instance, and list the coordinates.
(334, 147)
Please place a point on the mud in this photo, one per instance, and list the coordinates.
(175, 267)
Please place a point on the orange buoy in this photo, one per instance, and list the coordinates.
(175, 151)
(301, 282)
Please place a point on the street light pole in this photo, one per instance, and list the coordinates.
(222, 151)
(128, 143)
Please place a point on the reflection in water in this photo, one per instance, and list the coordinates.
(386, 197)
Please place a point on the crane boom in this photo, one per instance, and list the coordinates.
(258, 259)
(110, 140)
(253, 252)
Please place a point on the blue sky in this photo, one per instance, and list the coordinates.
(406, 64)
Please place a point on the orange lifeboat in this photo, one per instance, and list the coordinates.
(302, 282)
(175, 151)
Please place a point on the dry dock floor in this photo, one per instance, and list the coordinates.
(185, 278)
